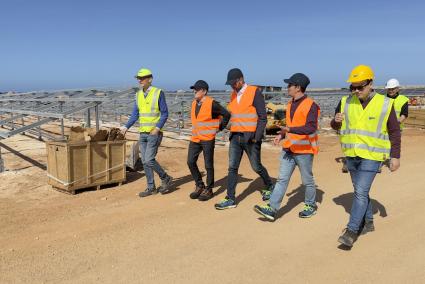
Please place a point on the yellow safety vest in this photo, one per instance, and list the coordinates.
(149, 113)
(398, 104)
(364, 131)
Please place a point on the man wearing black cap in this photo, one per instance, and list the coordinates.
(208, 117)
(299, 148)
(248, 121)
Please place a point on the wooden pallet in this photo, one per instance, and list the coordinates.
(73, 191)
(416, 118)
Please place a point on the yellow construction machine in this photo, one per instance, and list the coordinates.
(275, 117)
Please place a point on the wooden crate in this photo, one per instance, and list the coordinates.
(416, 118)
(76, 165)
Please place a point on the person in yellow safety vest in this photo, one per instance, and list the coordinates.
(208, 117)
(247, 124)
(401, 103)
(369, 133)
(150, 108)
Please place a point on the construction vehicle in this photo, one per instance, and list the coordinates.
(276, 114)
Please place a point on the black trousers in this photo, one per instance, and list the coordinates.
(207, 147)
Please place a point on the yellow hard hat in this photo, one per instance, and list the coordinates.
(144, 72)
(361, 73)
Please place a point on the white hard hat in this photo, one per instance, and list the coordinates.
(392, 83)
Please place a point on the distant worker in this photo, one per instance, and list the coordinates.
(401, 103)
(247, 123)
(208, 117)
(369, 134)
(299, 146)
(150, 108)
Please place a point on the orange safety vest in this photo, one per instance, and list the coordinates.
(300, 144)
(204, 127)
(243, 114)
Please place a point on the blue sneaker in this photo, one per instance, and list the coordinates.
(267, 192)
(266, 211)
(308, 211)
(226, 203)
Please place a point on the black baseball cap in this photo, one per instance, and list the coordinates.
(233, 75)
(298, 79)
(200, 84)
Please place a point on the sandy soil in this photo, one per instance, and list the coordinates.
(113, 236)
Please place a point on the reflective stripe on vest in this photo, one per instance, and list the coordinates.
(301, 144)
(149, 113)
(243, 114)
(364, 131)
(204, 127)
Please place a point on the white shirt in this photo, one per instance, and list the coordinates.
(240, 93)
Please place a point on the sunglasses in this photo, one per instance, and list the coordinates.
(141, 78)
(359, 88)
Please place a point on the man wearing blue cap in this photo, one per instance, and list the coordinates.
(300, 144)
(208, 117)
(248, 121)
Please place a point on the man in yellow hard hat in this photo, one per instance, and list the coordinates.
(150, 108)
(369, 134)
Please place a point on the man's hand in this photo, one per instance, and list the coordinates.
(339, 117)
(123, 130)
(394, 164)
(154, 131)
(277, 140)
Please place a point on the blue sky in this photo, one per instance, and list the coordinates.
(77, 44)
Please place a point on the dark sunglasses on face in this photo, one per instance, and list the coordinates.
(358, 88)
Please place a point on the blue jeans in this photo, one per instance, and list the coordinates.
(288, 162)
(149, 145)
(362, 172)
(253, 150)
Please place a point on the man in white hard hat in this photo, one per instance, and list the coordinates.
(401, 103)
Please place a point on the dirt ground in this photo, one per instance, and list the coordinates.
(113, 236)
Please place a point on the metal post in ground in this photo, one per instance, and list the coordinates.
(88, 119)
(96, 111)
(40, 138)
(22, 120)
(181, 118)
(62, 124)
(1, 163)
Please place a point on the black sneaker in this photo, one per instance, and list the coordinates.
(206, 194)
(195, 194)
(148, 191)
(165, 184)
(348, 238)
(368, 227)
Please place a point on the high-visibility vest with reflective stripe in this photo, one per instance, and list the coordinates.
(243, 114)
(204, 127)
(301, 144)
(398, 104)
(149, 113)
(364, 131)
